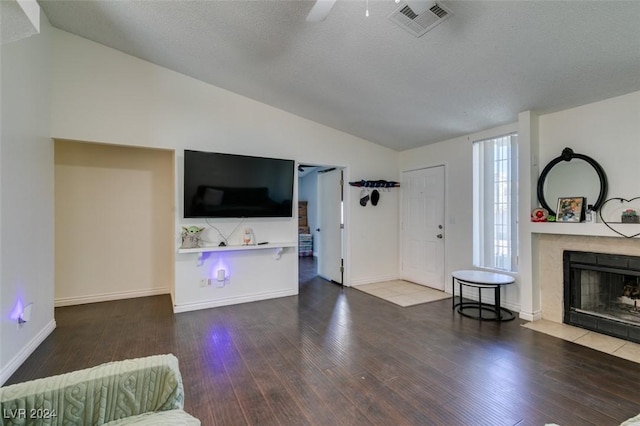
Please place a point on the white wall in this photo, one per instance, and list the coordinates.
(456, 155)
(608, 131)
(103, 95)
(528, 166)
(26, 196)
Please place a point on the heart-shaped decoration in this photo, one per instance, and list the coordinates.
(609, 224)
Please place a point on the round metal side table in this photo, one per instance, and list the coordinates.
(481, 280)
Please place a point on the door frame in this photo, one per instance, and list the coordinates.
(444, 165)
(322, 223)
(346, 200)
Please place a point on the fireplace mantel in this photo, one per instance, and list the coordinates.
(586, 229)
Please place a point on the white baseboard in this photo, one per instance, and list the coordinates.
(105, 297)
(515, 307)
(194, 306)
(25, 352)
(528, 316)
(371, 280)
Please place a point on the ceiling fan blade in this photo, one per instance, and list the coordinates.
(320, 10)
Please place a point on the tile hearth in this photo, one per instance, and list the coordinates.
(600, 342)
(550, 275)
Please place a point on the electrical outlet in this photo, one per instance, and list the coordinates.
(25, 316)
(204, 282)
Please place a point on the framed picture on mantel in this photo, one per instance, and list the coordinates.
(570, 209)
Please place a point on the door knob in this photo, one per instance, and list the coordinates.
(318, 229)
(439, 235)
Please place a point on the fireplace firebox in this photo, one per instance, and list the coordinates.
(602, 292)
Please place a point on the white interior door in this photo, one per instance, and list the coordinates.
(423, 226)
(329, 234)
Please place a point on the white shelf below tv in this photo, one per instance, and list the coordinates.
(238, 248)
(278, 247)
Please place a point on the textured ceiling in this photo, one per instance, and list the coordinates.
(17, 20)
(368, 77)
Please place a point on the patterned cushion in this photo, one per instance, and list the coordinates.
(97, 395)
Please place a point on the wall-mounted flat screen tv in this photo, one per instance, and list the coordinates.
(227, 185)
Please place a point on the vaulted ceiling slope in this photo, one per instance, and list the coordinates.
(371, 78)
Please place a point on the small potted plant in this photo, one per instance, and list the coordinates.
(630, 216)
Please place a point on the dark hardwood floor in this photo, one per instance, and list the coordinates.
(334, 356)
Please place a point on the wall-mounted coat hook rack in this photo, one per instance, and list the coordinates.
(375, 184)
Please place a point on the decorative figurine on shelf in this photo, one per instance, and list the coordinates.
(591, 215)
(191, 237)
(539, 215)
(630, 216)
(247, 238)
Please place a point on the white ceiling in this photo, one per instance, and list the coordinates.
(368, 77)
(18, 20)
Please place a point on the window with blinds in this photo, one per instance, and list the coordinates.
(495, 203)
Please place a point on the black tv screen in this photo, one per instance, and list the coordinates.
(228, 185)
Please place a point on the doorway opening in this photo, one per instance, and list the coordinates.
(321, 222)
(129, 192)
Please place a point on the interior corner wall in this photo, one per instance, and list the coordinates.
(26, 198)
(102, 95)
(113, 222)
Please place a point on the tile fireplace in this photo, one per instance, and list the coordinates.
(601, 293)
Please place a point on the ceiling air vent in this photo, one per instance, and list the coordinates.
(419, 16)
